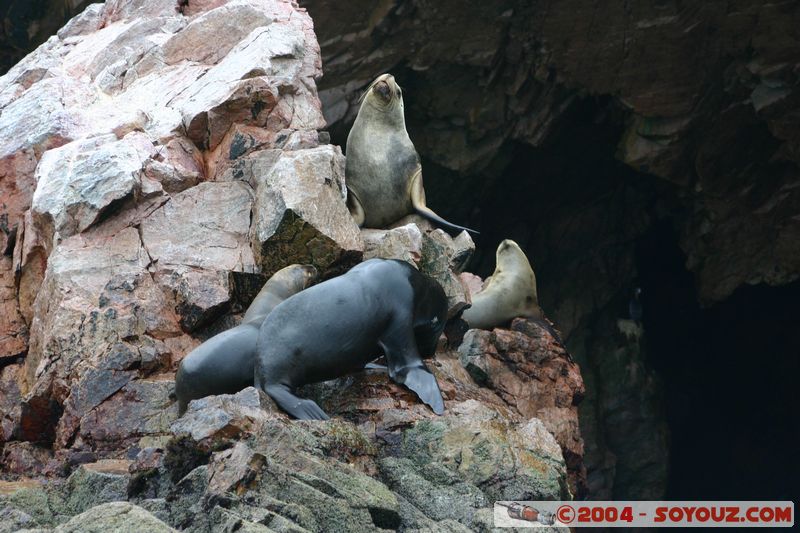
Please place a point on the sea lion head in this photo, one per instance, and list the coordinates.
(293, 279)
(510, 255)
(430, 313)
(383, 100)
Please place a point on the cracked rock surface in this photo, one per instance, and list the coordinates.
(158, 162)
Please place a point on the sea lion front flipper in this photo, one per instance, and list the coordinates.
(406, 366)
(301, 409)
(418, 202)
(356, 208)
(421, 381)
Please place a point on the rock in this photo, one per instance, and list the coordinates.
(641, 436)
(201, 296)
(473, 283)
(286, 463)
(116, 516)
(32, 502)
(12, 520)
(300, 215)
(442, 259)
(226, 414)
(209, 37)
(141, 409)
(47, 115)
(14, 336)
(472, 443)
(33, 119)
(96, 483)
(10, 398)
(404, 243)
(79, 182)
(172, 234)
(21, 458)
(105, 284)
(455, 500)
(113, 240)
(534, 374)
(244, 86)
(178, 166)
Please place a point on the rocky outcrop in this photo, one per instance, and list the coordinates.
(384, 461)
(532, 372)
(124, 214)
(577, 128)
(158, 161)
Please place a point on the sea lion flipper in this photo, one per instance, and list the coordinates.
(418, 202)
(300, 408)
(423, 383)
(356, 208)
(406, 366)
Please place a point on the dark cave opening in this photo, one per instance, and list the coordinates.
(589, 224)
(728, 375)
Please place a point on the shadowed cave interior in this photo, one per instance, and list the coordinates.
(595, 229)
(729, 376)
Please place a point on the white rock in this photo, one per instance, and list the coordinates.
(206, 226)
(77, 182)
(300, 214)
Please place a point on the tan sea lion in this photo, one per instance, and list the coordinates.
(225, 363)
(382, 169)
(509, 293)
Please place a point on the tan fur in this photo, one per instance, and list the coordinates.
(510, 292)
(383, 171)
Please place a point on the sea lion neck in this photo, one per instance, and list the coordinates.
(390, 115)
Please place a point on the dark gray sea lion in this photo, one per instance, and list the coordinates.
(382, 169)
(336, 327)
(224, 364)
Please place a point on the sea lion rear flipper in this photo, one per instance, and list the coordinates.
(418, 201)
(422, 382)
(301, 409)
(356, 208)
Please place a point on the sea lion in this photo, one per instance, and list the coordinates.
(382, 168)
(380, 306)
(224, 364)
(510, 292)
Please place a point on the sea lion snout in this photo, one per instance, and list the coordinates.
(311, 275)
(506, 245)
(383, 90)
